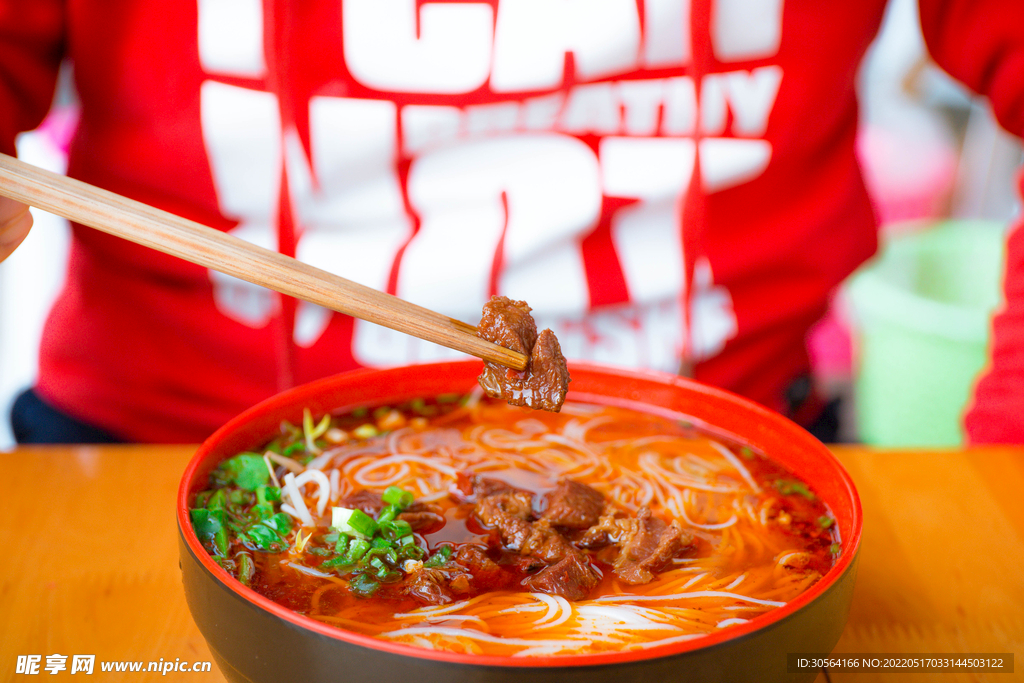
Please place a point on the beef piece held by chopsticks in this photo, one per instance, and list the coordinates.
(545, 380)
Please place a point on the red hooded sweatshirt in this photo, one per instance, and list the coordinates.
(604, 160)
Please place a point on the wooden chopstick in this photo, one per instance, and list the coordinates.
(204, 246)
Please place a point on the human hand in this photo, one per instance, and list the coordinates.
(15, 221)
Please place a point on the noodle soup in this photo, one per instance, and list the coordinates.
(731, 534)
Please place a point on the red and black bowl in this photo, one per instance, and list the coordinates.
(254, 639)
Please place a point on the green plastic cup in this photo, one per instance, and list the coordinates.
(922, 311)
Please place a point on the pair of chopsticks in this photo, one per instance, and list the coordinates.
(204, 246)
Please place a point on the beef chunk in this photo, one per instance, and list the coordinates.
(647, 547)
(368, 501)
(572, 578)
(471, 485)
(547, 544)
(508, 323)
(609, 528)
(545, 381)
(574, 505)
(486, 573)
(517, 504)
(429, 586)
(423, 521)
(508, 513)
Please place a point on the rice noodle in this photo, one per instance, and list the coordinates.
(468, 633)
(690, 596)
(320, 479)
(297, 508)
(284, 462)
(740, 573)
(727, 454)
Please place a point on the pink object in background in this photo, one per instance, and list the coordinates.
(909, 174)
(59, 126)
(829, 345)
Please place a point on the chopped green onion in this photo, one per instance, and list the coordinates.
(449, 398)
(825, 521)
(341, 543)
(353, 522)
(362, 586)
(356, 551)
(203, 498)
(340, 563)
(319, 552)
(387, 514)
(398, 529)
(440, 557)
(398, 497)
(220, 539)
(362, 411)
(746, 453)
(834, 548)
(246, 568)
(411, 551)
(380, 412)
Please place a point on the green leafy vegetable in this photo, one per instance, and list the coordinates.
(209, 528)
(268, 494)
(293, 448)
(218, 501)
(246, 470)
(261, 511)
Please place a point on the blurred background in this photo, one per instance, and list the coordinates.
(906, 336)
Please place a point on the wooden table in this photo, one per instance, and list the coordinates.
(91, 564)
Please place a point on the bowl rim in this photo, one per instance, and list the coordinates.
(843, 564)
